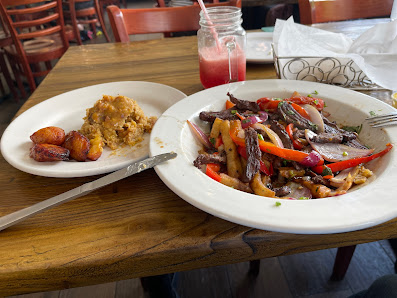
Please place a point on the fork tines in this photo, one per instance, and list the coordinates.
(382, 120)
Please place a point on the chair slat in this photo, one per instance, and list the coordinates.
(37, 22)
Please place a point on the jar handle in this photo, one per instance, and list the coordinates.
(231, 47)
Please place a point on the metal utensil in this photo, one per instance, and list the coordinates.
(382, 120)
(13, 218)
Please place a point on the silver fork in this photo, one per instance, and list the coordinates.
(382, 120)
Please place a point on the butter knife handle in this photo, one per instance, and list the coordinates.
(15, 217)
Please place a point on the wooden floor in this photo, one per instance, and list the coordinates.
(301, 275)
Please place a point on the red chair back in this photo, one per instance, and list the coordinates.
(125, 22)
(38, 33)
(320, 11)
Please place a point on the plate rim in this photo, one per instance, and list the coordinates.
(82, 172)
(212, 186)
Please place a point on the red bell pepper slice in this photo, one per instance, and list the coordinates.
(212, 170)
(229, 104)
(268, 147)
(263, 168)
(300, 100)
(268, 104)
(346, 164)
(297, 144)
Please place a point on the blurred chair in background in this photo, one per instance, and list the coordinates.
(83, 13)
(320, 11)
(125, 22)
(38, 38)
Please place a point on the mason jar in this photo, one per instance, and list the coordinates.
(221, 46)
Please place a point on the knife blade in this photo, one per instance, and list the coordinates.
(134, 168)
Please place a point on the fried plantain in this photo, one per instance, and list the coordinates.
(49, 135)
(48, 152)
(77, 144)
(96, 148)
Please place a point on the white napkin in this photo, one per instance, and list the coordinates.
(374, 52)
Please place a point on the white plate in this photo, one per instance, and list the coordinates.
(259, 48)
(67, 111)
(360, 208)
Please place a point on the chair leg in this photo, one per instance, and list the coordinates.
(342, 262)
(7, 76)
(254, 268)
(98, 12)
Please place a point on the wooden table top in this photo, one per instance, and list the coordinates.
(135, 227)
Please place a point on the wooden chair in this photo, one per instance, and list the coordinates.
(89, 15)
(38, 38)
(125, 22)
(321, 11)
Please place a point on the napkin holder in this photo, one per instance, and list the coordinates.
(342, 72)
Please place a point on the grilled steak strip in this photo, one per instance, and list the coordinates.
(203, 159)
(244, 104)
(290, 115)
(224, 115)
(253, 153)
(282, 133)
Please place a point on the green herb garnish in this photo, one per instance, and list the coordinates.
(356, 129)
(372, 113)
(233, 112)
(344, 153)
(212, 140)
(303, 198)
(260, 137)
(326, 171)
(278, 204)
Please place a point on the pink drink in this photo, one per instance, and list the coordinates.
(214, 66)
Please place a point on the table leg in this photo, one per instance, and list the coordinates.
(342, 261)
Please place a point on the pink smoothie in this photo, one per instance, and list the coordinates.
(214, 66)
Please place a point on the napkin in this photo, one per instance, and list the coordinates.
(374, 52)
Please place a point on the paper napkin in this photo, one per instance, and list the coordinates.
(374, 52)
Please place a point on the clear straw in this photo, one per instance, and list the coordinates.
(207, 17)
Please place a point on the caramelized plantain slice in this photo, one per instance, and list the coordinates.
(49, 135)
(48, 152)
(77, 144)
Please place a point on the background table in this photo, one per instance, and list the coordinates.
(135, 227)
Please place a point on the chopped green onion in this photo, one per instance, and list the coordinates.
(326, 171)
(278, 204)
(260, 137)
(233, 112)
(315, 92)
(309, 95)
(372, 113)
(344, 153)
(212, 140)
(303, 198)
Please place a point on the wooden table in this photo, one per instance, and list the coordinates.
(136, 227)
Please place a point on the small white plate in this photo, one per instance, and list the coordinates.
(67, 111)
(259, 47)
(360, 208)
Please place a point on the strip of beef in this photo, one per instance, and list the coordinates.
(282, 191)
(331, 127)
(326, 137)
(253, 153)
(282, 133)
(244, 104)
(228, 114)
(290, 115)
(203, 159)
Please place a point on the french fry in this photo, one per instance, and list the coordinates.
(234, 183)
(259, 188)
(233, 163)
(216, 127)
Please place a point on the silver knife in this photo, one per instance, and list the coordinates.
(13, 218)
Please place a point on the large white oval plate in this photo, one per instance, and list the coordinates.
(67, 111)
(360, 208)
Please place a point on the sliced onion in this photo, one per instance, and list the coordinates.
(336, 152)
(299, 191)
(263, 115)
(315, 116)
(249, 121)
(200, 135)
(270, 133)
(339, 179)
(311, 160)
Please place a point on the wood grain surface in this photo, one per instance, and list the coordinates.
(135, 227)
